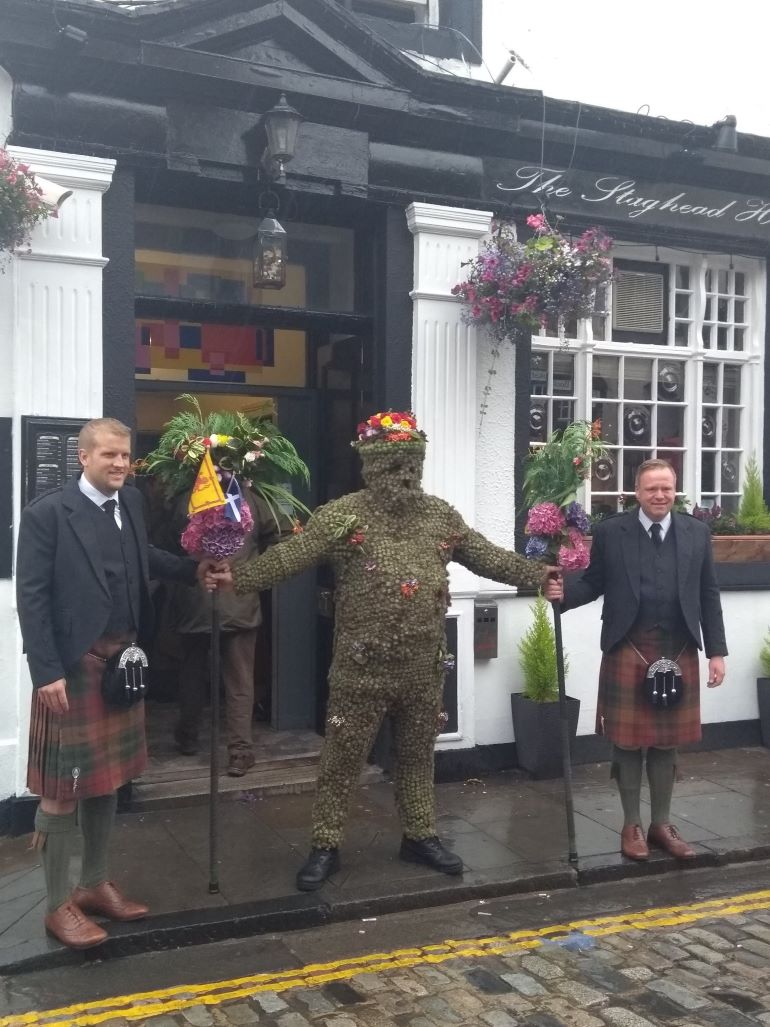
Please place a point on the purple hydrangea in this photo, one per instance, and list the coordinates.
(536, 547)
(576, 517)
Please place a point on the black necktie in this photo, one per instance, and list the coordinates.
(109, 506)
(656, 534)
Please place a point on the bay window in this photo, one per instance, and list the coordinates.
(671, 364)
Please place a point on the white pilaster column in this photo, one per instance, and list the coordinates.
(444, 360)
(51, 300)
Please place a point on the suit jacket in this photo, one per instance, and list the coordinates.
(62, 594)
(614, 572)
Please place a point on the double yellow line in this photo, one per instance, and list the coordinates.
(144, 1005)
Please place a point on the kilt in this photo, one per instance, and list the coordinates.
(623, 714)
(90, 750)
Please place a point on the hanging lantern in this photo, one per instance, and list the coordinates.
(270, 253)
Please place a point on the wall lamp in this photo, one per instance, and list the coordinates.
(727, 135)
(281, 124)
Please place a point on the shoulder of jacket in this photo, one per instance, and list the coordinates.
(45, 499)
(609, 522)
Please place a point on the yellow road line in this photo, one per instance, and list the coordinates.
(168, 1000)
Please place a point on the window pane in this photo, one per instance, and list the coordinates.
(708, 431)
(707, 475)
(607, 413)
(563, 414)
(723, 337)
(709, 281)
(604, 473)
(730, 504)
(710, 383)
(740, 283)
(675, 459)
(637, 379)
(682, 305)
(605, 377)
(681, 333)
(739, 311)
(563, 374)
(539, 374)
(671, 380)
(707, 331)
(729, 471)
(538, 422)
(636, 425)
(670, 426)
(731, 427)
(731, 387)
(739, 335)
(722, 281)
(682, 277)
(723, 311)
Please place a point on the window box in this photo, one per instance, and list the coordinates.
(741, 548)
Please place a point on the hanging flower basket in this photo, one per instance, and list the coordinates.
(548, 278)
(21, 203)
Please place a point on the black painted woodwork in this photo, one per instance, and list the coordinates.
(118, 297)
(6, 497)
(393, 281)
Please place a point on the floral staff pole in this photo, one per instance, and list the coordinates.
(557, 526)
(215, 458)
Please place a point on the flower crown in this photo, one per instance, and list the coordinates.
(390, 426)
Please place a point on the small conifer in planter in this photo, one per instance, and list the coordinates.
(535, 709)
(753, 515)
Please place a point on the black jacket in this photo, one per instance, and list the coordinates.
(614, 572)
(62, 595)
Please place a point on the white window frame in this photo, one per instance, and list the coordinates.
(427, 8)
(585, 346)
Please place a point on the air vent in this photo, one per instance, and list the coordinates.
(637, 302)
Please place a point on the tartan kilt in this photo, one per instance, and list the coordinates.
(623, 714)
(90, 750)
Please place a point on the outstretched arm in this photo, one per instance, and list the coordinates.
(484, 558)
(292, 556)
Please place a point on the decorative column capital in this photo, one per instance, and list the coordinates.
(77, 171)
(457, 221)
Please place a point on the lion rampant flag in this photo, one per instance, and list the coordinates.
(207, 492)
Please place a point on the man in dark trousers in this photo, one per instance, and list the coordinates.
(82, 570)
(655, 570)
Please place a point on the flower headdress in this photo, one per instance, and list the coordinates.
(253, 453)
(557, 524)
(390, 426)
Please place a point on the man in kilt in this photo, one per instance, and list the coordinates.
(83, 568)
(655, 569)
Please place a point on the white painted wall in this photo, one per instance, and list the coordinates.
(51, 324)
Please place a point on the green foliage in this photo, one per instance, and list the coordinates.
(555, 471)
(255, 451)
(753, 515)
(537, 656)
(764, 655)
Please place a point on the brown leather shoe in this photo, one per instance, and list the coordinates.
(632, 843)
(73, 929)
(106, 900)
(666, 836)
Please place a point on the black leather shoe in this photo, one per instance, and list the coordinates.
(431, 852)
(318, 867)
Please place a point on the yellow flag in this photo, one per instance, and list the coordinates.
(207, 492)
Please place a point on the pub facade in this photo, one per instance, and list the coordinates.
(156, 118)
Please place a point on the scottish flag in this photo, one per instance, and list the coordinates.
(233, 500)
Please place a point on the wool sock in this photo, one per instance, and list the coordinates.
(661, 772)
(627, 771)
(54, 835)
(96, 815)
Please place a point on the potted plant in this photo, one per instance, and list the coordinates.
(763, 691)
(21, 203)
(535, 709)
(743, 537)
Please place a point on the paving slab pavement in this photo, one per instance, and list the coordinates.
(510, 832)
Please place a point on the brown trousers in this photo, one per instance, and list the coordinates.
(237, 668)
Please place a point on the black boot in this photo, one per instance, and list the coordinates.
(318, 867)
(431, 852)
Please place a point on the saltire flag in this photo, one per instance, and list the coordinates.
(233, 500)
(207, 492)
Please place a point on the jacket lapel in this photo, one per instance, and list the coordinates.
(79, 520)
(684, 553)
(630, 542)
(127, 498)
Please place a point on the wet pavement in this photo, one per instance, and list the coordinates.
(509, 831)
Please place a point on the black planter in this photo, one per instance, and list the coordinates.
(537, 733)
(763, 698)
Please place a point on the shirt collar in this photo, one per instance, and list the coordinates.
(646, 521)
(91, 492)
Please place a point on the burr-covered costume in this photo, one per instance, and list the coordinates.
(389, 545)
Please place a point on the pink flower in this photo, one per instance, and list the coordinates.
(536, 221)
(574, 557)
(545, 519)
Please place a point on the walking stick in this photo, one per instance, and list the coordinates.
(566, 756)
(214, 761)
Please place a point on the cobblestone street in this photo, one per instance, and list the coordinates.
(698, 963)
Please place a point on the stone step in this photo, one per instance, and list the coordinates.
(257, 783)
(197, 768)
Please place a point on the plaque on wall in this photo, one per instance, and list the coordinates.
(49, 454)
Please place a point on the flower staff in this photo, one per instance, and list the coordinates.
(557, 525)
(222, 462)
